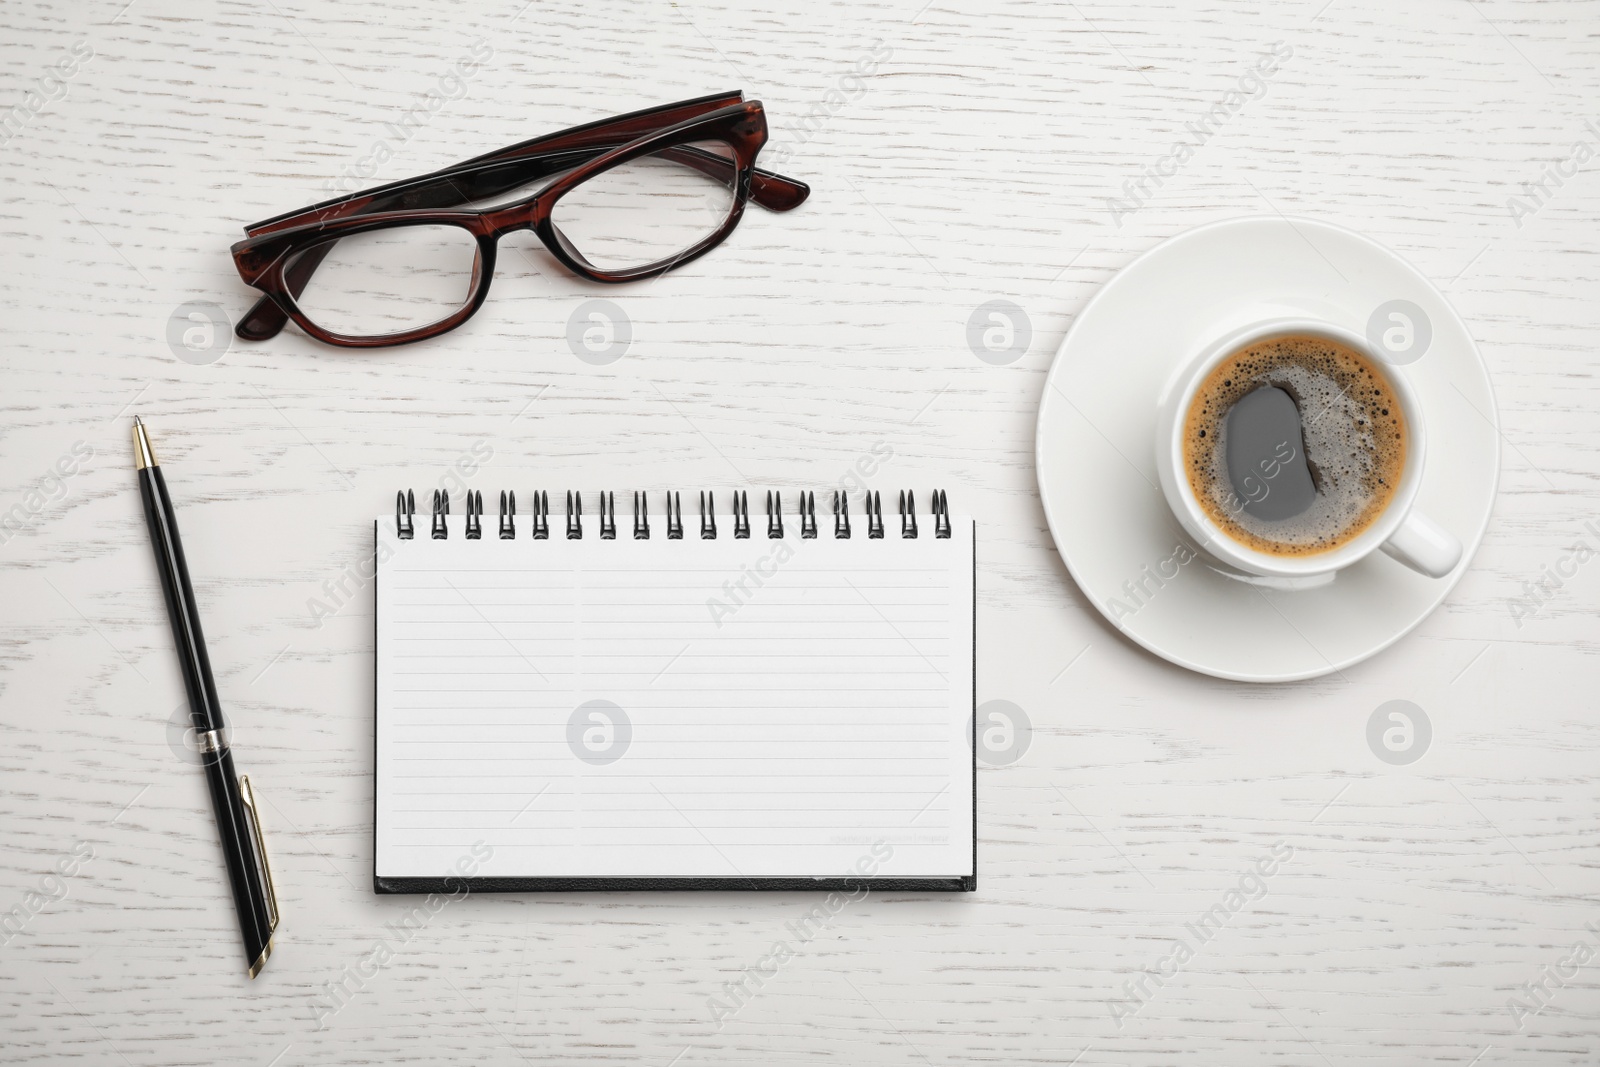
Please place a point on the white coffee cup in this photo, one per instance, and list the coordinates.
(1400, 531)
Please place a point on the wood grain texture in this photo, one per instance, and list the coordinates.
(976, 164)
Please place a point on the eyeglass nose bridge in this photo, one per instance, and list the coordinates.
(510, 219)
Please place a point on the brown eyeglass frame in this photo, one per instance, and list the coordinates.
(280, 254)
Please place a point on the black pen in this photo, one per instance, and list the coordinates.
(238, 823)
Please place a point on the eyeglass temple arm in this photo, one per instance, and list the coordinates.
(580, 141)
(772, 191)
(489, 176)
(265, 318)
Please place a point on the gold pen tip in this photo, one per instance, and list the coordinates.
(143, 455)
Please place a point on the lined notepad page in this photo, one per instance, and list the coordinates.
(693, 708)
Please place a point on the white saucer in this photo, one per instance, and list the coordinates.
(1095, 449)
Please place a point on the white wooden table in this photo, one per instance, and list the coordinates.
(973, 162)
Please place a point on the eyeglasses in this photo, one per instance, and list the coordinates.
(618, 200)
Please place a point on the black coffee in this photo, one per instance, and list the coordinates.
(1294, 445)
(1266, 457)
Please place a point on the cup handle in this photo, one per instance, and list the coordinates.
(1425, 546)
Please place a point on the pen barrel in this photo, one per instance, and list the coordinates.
(204, 708)
(239, 850)
(247, 872)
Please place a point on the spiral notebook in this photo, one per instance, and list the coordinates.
(578, 702)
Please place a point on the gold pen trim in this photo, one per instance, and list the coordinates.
(143, 455)
(249, 800)
(255, 968)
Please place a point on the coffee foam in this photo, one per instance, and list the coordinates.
(1353, 436)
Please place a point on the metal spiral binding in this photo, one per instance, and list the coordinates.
(508, 515)
(441, 508)
(405, 507)
(674, 517)
(908, 514)
(541, 516)
(708, 515)
(574, 518)
(774, 515)
(641, 516)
